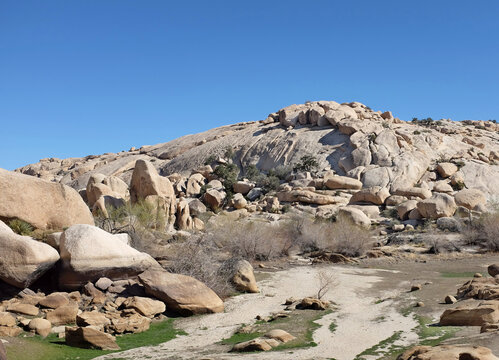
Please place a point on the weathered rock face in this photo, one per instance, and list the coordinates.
(448, 352)
(182, 294)
(470, 198)
(354, 215)
(23, 259)
(88, 253)
(43, 204)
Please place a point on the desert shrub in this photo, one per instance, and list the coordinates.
(390, 213)
(21, 227)
(228, 173)
(252, 172)
(281, 171)
(210, 160)
(340, 236)
(327, 281)
(229, 153)
(483, 231)
(250, 240)
(307, 163)
(459, 185)
(196, 257)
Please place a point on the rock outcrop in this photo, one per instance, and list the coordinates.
(43, 204)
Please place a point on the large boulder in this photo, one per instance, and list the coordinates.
(439, 205)
(240, 273)
(89, 253)
(446, 169)
(43, 204)
(470, 198)
(40, 326)
(493, 269)
(145, 306)
(23, 259)
(471, 314)
(214, 198)
(448, 352)
(182, 294)
(308, 196)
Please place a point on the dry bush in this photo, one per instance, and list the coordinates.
(341, 236)
(197, 257)
(327, 281)
(250, 240)
(483, 231)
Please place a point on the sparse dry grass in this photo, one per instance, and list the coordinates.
(483, 231)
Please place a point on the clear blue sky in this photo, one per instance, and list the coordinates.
(91, 76)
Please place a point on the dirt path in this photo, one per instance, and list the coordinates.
(360, 322)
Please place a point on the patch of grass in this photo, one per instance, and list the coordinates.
(53, 348)
(433, 335)
(458, 274)
(333, 327)
(384, 347)
(300, 323)
(21, 227)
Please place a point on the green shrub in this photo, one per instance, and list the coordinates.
(281, 171)
(21, 227)
(307, 163)
(252, 173)
(229, 153)
(210, 160)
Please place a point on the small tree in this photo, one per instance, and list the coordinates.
(307, 163)
(327, 281)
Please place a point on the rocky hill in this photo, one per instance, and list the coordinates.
(350, 139)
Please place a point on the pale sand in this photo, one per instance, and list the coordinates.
(361, 323)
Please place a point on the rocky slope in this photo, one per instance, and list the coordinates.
(350, 139)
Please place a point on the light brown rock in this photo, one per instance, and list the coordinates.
(470, 198)
(439, 205)
(43, 204)
(90, 338)
(415, 192)
(6, 319)
(471, 314)
(342, 182)
(40, 326)
(374, 195)
(54, 300)
(24, 309)
(182, 294)
(354, 215)
(405, 208)
(214, 198)
(63, 315)
(446, 169)
(448, 352)
(92, 318)
(23, 259)
(281, 335)
(145, 306)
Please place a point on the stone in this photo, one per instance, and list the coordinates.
(238, 201)
(442, 186)
(416, 287)
(449, 299)
(254, 194)
(313, 303)
(88, 253)
(10, 331)
(414, 192)
(354, 216)
(449, 223)
(98, 297)
(405, 208)
(272, 204)
(53, 239)
(281, 335)
(374, 195)
(342, 182)
(43, 204)
(258, 344)
(54, 300)
(92, 318)
(90, 338)
(181, 293)
(183, 220)
(145, 306)
(63, 315)
(447, 352)
(6, 319)
(493, 269)
(242, 187)
(196, 207)
(194, 184)
(129, 323)
(103, 283)
(24, 259)
(240, 272)
(307, 196)
(480, 288)
(446, 169)
(471, 314)
(214, 198)
(439, 205)
(398, 227)
(23, 309)
(394, 200)
(40, 326)
(470, 198)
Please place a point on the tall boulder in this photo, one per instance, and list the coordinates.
(43, 204)
(22, 259)
(146, 184)
(89, 253)
(182, 294)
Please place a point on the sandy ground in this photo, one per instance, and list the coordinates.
(355, 294)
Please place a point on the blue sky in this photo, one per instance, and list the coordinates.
(88, 77)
